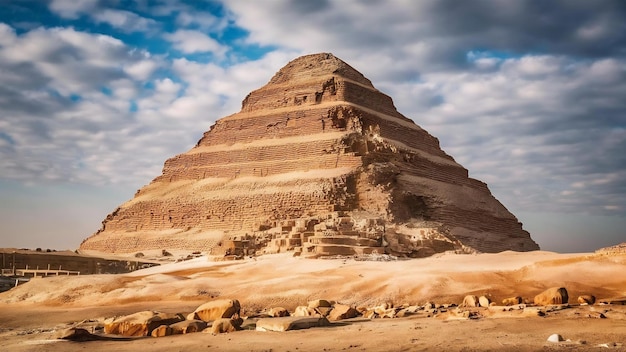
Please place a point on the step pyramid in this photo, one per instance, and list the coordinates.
(320, 162)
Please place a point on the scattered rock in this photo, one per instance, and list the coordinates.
(139, 324)
(160, 331)
(484, 301)
(278, 312)
(342, 311)
(587, 299)
(304, 311)
(221, 308)
(470, 301)
(224, 325)
(188, 326)
(555, 338)
(554, 295)
(511, 301)
(75, 334)
(289, 323)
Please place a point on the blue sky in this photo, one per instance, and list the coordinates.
(529, 96)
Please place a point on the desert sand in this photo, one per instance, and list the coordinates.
(32, 314)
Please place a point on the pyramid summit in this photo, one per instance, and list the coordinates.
(318, 162)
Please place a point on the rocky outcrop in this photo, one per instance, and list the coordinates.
(320, 162)
(553, 295)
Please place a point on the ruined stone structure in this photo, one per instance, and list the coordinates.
(320, 162)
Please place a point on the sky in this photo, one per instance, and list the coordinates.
(529, 96)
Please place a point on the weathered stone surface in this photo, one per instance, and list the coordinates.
(75, 334)
(188, 326)
(470, 301)
(304, 311)
(511, 301)
(139, 324)
(342, 311)
(554, 295)
(320, 162)
(221, 326)
(162, 330)
(278, 312)
(289, 323)
(484, 301)
(587, 299)
(217, 309)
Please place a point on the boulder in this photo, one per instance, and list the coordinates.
(319, 303)
(160, 331)
(221, 308)
(554, 295)
(278, 312)
(555, 338)
(470, 301)
(511, 301)
(304, 311)
(140, 324)
(587, 299)
(188, 326)
(289, 323)
(484, 301)
(225, 325)
(342, 311)
(75, 334)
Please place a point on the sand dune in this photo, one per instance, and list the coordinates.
(283, 280)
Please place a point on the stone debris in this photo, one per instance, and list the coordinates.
(289, 323)
(553, 295)
(587, 299)
(555, 338)
(140, 324)
(217, 309)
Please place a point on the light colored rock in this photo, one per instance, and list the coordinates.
(555, 338)
(192, 316)
(188, 326)
(304, 311)
(553, 295)
(342, 311)
(587, 299)
(289, 323)
(316, 303)
(511, 301)
(470, 301)
(278, 312)
(160, 331)
(225, 325)
(221, 308)
(74, 334)
(139, 324)
(484, 301)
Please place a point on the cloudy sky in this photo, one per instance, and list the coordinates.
(95, 95)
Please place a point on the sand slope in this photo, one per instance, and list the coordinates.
(282, 280)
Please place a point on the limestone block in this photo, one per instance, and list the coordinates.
(587, 299)
(342, 311)
(161, 330)
(484, 301)
(289, 323)
(304, 311)
(470, 301)
(217, 309)
(511, 301)
(225, 325)
(139, 324)
(188, 326)
(278, 312)
(553, 295)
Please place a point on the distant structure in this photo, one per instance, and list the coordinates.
(321, 163)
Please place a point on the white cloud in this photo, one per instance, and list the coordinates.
(126, 21)
(191, 41)
(72, 8)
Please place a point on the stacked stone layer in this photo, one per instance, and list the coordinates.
(318, 142)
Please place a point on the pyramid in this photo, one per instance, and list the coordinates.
(318, 162)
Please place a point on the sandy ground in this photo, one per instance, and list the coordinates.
(31, 314)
